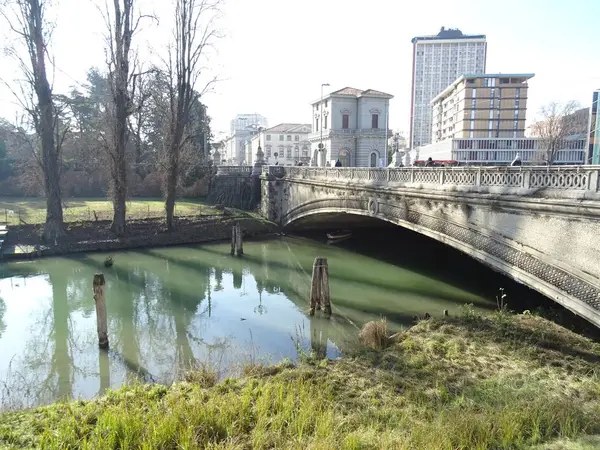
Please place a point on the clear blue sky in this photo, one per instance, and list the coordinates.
(276, 53)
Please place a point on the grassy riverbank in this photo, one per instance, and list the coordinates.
(17, 211)
(458, 383)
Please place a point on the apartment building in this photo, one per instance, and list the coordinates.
(437, 61)
(481, 106)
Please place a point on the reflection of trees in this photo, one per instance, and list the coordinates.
(2, 312)
(61, 360)
(218, 279)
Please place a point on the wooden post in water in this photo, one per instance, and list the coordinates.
(100, 301)
(237, 245)
(319, 292)
(239, 240)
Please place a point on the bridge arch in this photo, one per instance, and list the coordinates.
(568, 286)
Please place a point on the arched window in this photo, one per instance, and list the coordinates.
(296, 152)
(345, 158)
(373, 160)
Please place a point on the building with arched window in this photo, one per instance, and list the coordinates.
(350, 125)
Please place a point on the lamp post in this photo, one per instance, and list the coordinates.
(321, 120)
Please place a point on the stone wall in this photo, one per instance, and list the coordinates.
(240, 191)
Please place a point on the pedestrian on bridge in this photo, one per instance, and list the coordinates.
(517, 161)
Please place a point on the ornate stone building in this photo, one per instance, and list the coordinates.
(350, 125)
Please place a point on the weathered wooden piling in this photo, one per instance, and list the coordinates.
(237, 244)
(100, 301)
(319, 292)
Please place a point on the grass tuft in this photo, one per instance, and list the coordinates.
(374, 334)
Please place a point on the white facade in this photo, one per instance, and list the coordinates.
(233, 152)
(351, 125)
(285, 144)
(437, 62)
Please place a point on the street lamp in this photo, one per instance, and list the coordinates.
(321, 119)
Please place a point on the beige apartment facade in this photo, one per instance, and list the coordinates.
(481, 106)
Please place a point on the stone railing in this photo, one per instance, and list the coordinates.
(570, 178)
(234, 170)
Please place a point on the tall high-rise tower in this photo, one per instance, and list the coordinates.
(438, 61)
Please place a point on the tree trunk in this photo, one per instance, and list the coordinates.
(119, 172)
(119, 198)
(53, 228)
(171, 188)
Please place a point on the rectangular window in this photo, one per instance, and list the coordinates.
(518, 93)
(268, 137)
(325, 126)
(491, 113)
(326, 103)
(492, 92)
(345, 120)
(281, 137)
(289, 152)
(375, 121)
(268, 152)
(297, 138)
(317, 124)
(289, 137)
(490, 125)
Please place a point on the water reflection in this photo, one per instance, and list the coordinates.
(171, 308)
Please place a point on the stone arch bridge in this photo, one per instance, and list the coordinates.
(538, 225)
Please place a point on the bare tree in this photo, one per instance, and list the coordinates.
(36, 97)
(122, 26)
(194, 34)
(557, 121)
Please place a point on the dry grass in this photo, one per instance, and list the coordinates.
(374, 334)
(471, 382)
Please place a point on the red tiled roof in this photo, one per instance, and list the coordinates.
(374, 92)
(348, 91)
(357, 92)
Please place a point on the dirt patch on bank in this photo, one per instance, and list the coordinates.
(97, 236)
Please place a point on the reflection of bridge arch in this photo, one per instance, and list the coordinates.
(438, 220)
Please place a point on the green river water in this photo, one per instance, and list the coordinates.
(174, 308)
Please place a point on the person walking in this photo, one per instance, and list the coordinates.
(338, 163)
(517, 161)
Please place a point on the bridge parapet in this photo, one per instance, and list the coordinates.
(567, 181)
